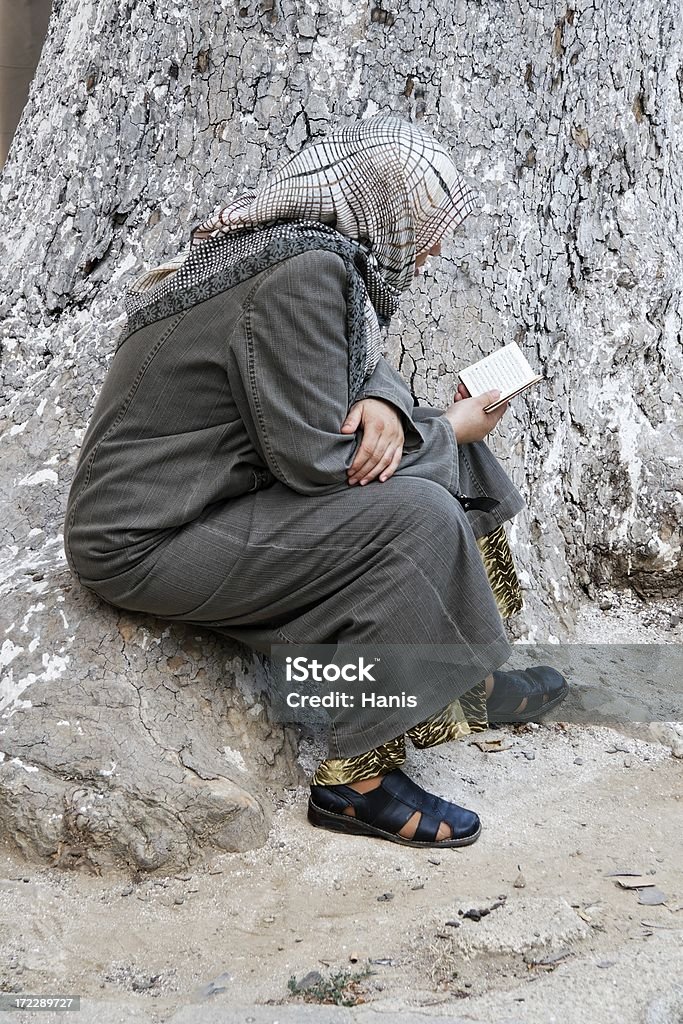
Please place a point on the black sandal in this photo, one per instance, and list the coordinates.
(510, 689)
(383, 811)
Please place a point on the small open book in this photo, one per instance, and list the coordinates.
(505, 370)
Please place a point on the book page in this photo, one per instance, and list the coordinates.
(505, 370)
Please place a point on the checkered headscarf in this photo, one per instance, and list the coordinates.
(378, 192)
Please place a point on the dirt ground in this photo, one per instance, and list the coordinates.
(529, 924)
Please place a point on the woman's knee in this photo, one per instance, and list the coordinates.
(419, 505)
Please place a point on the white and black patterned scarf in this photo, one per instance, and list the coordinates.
(377, 192)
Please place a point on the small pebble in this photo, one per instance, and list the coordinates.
(520, 881)
(674, 621)
(530, 755)
(651, 897)
(385, 897)
(433, 860)
(308, 981)
(605, 604)
(141, 984)
(127, 891)
(578, 760)
(628, 761)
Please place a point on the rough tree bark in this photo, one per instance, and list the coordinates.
(129, 743)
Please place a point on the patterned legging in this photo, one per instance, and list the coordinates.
(461, 717)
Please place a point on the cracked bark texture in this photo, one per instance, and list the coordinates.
(126, 742)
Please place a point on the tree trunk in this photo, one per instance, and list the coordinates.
(129, 742)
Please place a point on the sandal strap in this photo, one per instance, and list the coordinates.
(330, 798)
(427, 829)
(405, 789)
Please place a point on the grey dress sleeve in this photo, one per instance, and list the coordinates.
(289, 370)
(425, 412)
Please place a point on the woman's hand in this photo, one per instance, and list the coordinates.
(467, 416)
(381, 448)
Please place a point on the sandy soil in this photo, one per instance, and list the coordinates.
(563, 806)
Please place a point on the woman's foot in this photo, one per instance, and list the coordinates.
(392, 807)
(524, 695)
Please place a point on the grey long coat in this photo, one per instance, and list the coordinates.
(211, 488)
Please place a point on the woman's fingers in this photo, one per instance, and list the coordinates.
(377, 461)
(393, 465)
(373, 448)
(497, 414)
(370, 450)
(352, 421)
(380, 467)
(488, 399)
